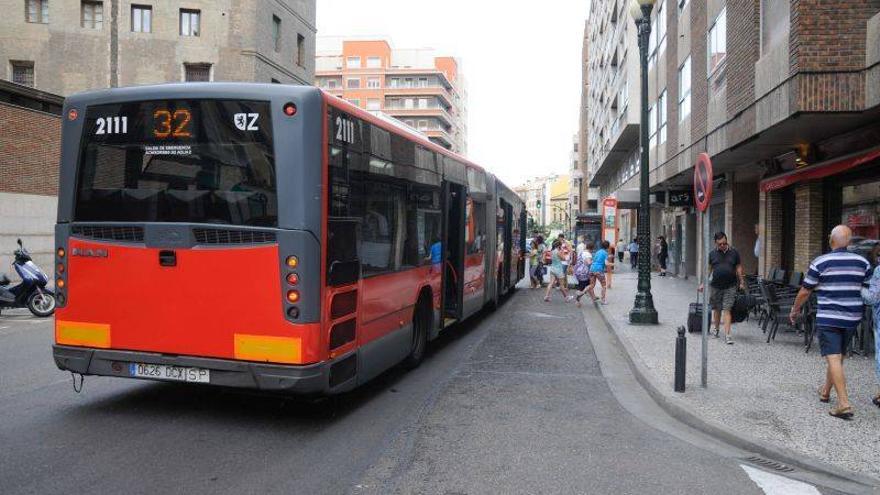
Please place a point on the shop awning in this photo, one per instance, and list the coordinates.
(819, 171)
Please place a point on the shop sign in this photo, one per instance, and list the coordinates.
(681, 198)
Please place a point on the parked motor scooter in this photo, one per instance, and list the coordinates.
(31, 292)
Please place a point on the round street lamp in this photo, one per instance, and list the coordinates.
(643, 310)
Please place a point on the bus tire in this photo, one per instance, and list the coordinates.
(421, 326)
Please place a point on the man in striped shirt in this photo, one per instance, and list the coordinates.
(837, 278)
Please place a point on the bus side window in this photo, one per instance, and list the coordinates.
(345, 203)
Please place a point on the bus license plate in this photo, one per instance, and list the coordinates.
(170, 372)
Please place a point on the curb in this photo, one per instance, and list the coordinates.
(741, 441)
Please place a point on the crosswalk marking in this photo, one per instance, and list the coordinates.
(773, 484)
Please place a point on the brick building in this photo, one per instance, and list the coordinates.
(74, 45)
(785, 98)
(425, 92)
(29, 153)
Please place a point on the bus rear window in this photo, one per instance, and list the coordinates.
(200, 161)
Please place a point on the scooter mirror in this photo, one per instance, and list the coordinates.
(19, 243)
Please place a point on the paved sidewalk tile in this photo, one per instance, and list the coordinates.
(764, 391)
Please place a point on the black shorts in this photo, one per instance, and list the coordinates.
(583, 284)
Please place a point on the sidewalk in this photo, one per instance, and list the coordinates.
(757, 391)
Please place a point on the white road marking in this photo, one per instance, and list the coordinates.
(543, 315)
(773, 484)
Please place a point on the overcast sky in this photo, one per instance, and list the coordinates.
(521, 61)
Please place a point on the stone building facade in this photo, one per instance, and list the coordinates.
(63, 47)
(784, 96)
(29, 153)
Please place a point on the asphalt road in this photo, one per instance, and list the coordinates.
(514, 402)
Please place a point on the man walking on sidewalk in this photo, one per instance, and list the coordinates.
(725, 269)
(633, 254)
(838, 278)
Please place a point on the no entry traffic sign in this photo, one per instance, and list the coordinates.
(703, 182)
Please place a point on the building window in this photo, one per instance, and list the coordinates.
(423, 125)
(394, 82)
(652, 127)
(373, 82)
(409, 103)
(374, 62)
(717, 43)
(356, 102)
(37, 11)
(142, 18)
(331, 83)
(775, 23)
(190, 22)
(196, 72)
(661, 116)
(23, 73)
(92, 15)
(423, 103)
(354, 83)
(300, 50)
(423, 82)
(353, 62)
(684, 89)
(276, 33)
(373, 104)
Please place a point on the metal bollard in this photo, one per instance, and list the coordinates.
(680, 359)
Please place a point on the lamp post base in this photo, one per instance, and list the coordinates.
(643, 313)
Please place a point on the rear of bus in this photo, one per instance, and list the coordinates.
(189, 236)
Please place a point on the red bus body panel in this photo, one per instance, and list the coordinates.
(195, 308)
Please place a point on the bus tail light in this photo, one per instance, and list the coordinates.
(60, 271)
(342, 333)
(293, 312)
(289, 109)
(292, 278)
(293, 296)
(292, 262)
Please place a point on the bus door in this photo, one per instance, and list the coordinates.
(507, 236)
(454, 196)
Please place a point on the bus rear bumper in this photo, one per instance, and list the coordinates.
(314, 379)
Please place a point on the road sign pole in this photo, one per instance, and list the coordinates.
(703, 178)
(704, 368)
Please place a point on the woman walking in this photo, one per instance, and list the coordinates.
(582, 270)
(871, 295)
(533, 265)
(557, 272)
(662, 254)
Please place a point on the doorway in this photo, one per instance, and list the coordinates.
(453, 251)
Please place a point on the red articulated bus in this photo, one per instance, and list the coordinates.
(266, 236)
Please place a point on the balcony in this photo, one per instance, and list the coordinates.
(414, 113)
(438, 91)
(440, 137)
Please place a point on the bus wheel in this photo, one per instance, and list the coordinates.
(422, 318)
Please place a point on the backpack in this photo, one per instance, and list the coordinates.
(582, 270)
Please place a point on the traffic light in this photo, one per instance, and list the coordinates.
(538, 204)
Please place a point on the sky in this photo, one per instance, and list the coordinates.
(521, 61)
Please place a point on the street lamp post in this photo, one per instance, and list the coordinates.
(643, 310)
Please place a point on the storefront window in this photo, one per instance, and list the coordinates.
(860, 209)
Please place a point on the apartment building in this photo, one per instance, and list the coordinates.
(784, 96)
(588, 196)
(424, 91)
(613, 108)
(66, 46)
